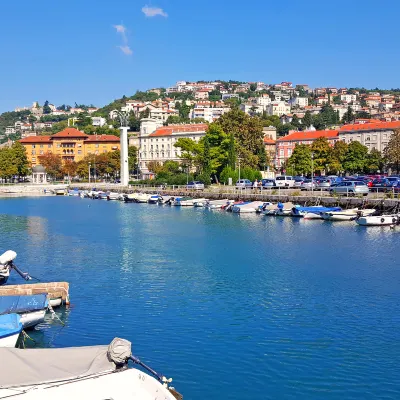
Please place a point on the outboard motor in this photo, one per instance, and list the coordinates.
(7, 263)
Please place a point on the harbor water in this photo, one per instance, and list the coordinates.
(229, 306)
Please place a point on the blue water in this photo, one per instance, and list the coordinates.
(231, 307)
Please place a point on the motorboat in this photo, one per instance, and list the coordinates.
(216, 204)
(113, 196)
(131, 198)
(164, 199)
(250, 207)
(379, 220)
(200, 202)
(311, 212)
(153, 199)
(142, 198)
(74, 192)
(103, 195)
(269, 209)
(7, 264)
(346, 215)
(80, 373)
(183, 202)
(229, 206)
(60, 191)
(10, 329)
(31, 308)
(284, 209)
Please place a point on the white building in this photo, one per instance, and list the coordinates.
(156, 142)
(300, 102)
(278, 108)
(251, 108)
(10, 130)
(201, 94)
(263, 101)
(98, 121)
(348, 98)
(210, 114)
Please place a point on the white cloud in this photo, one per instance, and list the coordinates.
(126, 50)
(121, 29)
(153, 11)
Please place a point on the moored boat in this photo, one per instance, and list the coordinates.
(142, 197)
(153, 199)
(199, 202)
(7, 264)
(284, 209)
(95, 372)
(183, 202)
(113, 196)
(250, 207)
(311, 212)
(31, 308)
(346, 215)
(10, 329)
(164, 199)
(216, 204)
(379, 220)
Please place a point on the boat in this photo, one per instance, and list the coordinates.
(216, 204)
(199, 202)
(31, 309)
(153, 199)
(60, 191)
(57, 292)
(83, 194)
(250, 207)
(130, 198)
(228, 207)
(284, 209)
(346, 215)
(74, 192)
(102, 195)
(379, 220)
(7, 264)
(93, 372)
(113, 196)
(10, 329)
(311, 212)
(164, 199)
(183, 202)
(269, 209)
(142, 197)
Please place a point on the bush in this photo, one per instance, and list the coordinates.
(250, 174)
(205, 178)
(227, 173)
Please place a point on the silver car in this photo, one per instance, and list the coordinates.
(196, 185)
(308, 184)
(351, 188)
(323, 184)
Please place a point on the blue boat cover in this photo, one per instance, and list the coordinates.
(10, 324)
(21, 304)
(317, 209)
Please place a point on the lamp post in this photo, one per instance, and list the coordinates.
(312, 172)
(124, 167)
(89, 172)
(94, 171)
(239, 159)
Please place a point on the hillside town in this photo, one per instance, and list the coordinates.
(161, 119)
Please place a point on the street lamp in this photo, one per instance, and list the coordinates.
(239, 159)
(89, 172)
(312, 172)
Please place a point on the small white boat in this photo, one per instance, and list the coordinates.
(312, 215)
(199, 202)
(164, 199)
(142, 198)
(216, 204)
(183, 202)
(346, 215)
(10, 329)
(80, 373)
(113, 196)
(251, 207)
(284, 209)
(60, 191)
(379, 220)
(269, 209)
(153, 199)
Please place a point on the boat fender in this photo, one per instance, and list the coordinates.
(382, 220)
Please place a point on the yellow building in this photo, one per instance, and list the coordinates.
(70, 144)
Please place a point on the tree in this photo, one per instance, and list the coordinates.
(307, 119)
(321, 149)
(20, 159)
(69, 168)
(318, 122)
(374, 161)
(337, 157)
(46, 108)
(231, 161)
(52, 163)
(348, 116)
(8, 167)
(206, 162)
(392, 151)
(336, 100)
(355, 157)
(132, 158)
(300, 160)
(295, 121)
(253, 87)
(363, 115)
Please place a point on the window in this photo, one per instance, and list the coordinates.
(41, 146)
(281, 152)
(97, 145)
(49, 146)
(79, 151)
(33, 146)
(41, 151)
(33, 152)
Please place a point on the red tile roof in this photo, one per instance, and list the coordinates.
(102, 138)
(169, 130)
(269, 141)
(370, 126)
(36, 139)
(70, 132)
(309, 135)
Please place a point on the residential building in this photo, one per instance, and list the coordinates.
(10, 130)
(374, 135)
(210, 114)
(98, 121)
(70, 144)
(263, 100)
(373, 101)
(300, 102)
(228, 96)
(156, 143)
(201, 94)
(286, 144)
(348, 98)
(278, 108)
(251, 108)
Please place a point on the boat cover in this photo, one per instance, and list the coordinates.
(21, 304)
(10, 324)
(27, 367)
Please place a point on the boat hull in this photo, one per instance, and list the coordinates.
(33, 318)
(10, 340)
(382, 220)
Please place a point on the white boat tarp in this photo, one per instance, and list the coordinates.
(27, 367)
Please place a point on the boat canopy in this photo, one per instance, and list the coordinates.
(10, 324)
(21, 304)
(27, 367)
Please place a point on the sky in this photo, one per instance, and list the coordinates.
(95, 51)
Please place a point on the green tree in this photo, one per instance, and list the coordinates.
(227, 173)
(20, 159)
(355, 157)
(307, 119)
(318, 122)
(231, 162)
(363, 115)
(321, 149)
(8, 166)
(300, 160)
(132, 158)
(295, 121)
(337, 157)
(46, 108)
(206, 163)
(348, 116)
(392, 151)
(374, 161)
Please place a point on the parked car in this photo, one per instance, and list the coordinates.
(381, 185)
(351, 188)
(196, 185)
(298, 180)
(396, 187)
(267, 183)
(284, 181)
(323, 184)
(393, 180)
(308, 184)
(244, 183)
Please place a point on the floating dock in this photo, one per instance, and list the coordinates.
(58, 292)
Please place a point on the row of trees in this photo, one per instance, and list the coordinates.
(343, 157)
(13, 161)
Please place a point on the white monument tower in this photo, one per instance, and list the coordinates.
(124, 170)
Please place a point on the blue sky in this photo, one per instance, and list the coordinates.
(73, 51)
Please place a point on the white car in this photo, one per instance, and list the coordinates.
(284, 181)
(196, 185)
